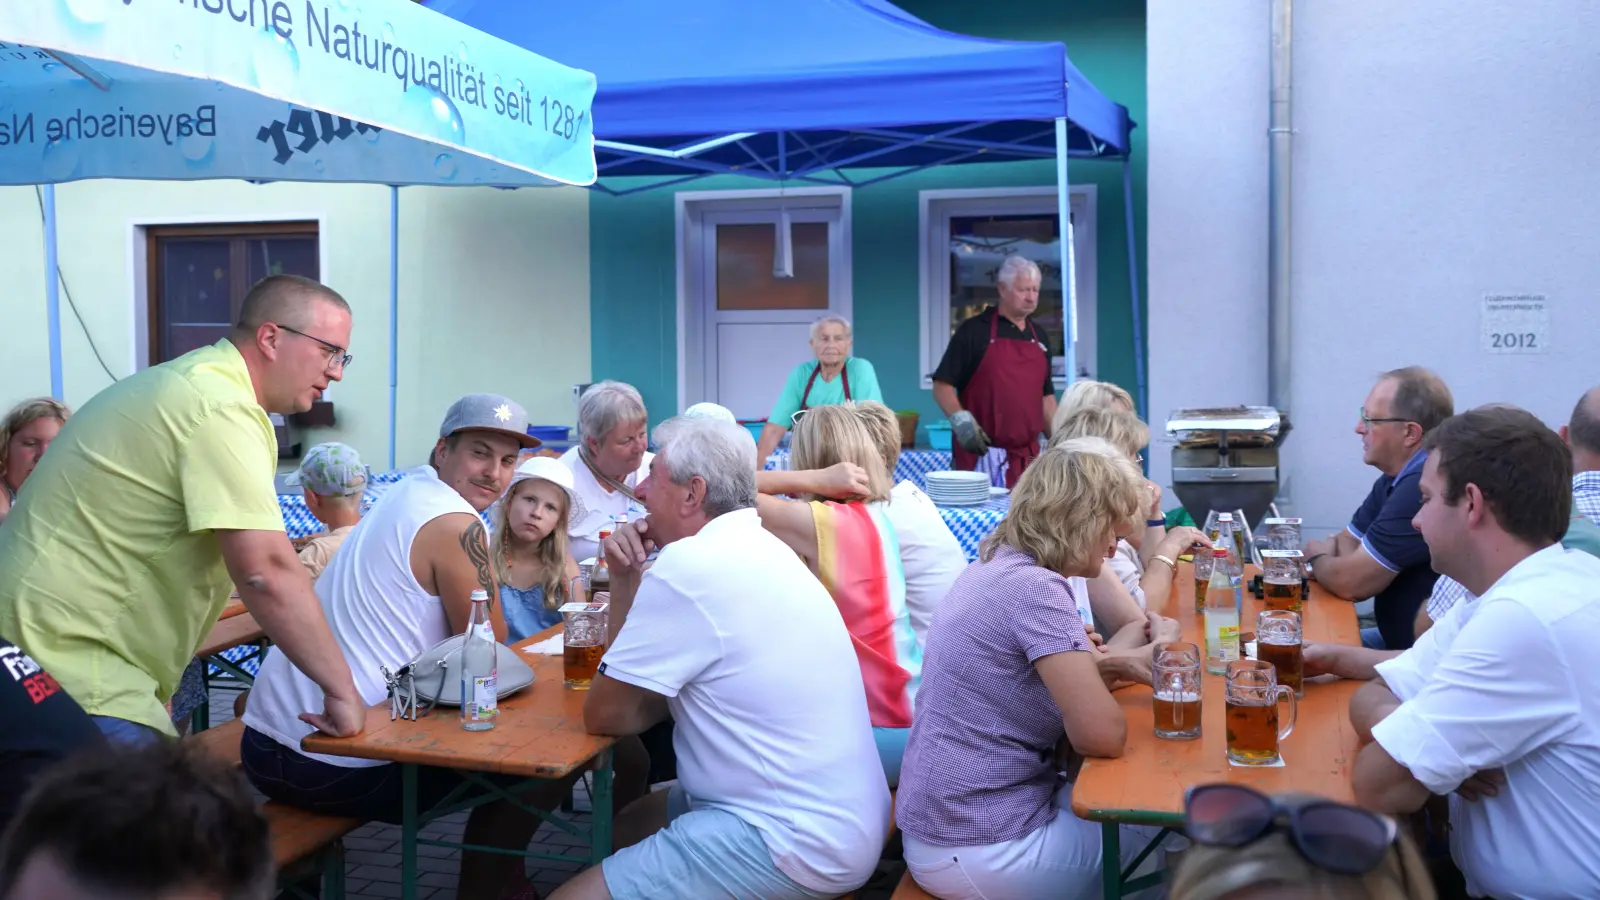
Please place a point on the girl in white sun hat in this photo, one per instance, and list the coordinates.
(531, 559)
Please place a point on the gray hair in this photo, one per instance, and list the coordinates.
(816, 327)
(605, 405)
(722, 455)
(1015, 266)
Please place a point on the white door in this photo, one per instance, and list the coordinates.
(756, 321)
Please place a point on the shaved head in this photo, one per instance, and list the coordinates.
(287, 300)
(1584, 429)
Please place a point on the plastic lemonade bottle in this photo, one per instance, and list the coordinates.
(1221, 615)
(479, 673)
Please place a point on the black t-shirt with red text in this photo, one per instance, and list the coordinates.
(42, 725)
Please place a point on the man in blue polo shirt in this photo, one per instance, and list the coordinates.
(1380, 555)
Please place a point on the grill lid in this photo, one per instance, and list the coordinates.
(1245, 426)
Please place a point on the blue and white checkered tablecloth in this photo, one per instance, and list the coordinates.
(971, 524)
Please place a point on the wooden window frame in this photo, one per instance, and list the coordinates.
(237, 264)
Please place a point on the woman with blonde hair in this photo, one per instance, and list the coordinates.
(1248, 846)
(1009, 677)
(852, 549)
(1143, 565)
(929, 552)
(25, 434)
(1081, 395)
(529, 547)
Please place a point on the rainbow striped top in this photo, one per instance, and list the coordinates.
(858, 561)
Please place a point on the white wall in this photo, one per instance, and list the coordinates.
(494, 292)
(1443, 151)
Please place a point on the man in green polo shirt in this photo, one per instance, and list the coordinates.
(156, 499)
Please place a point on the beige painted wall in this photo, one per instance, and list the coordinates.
(494, 292)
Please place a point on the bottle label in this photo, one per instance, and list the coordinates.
(1228, 643)
(484, 702)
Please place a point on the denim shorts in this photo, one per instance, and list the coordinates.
(707, 854)
(373, 793)
(125, 733)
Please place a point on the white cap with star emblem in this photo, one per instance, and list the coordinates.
(488, 412)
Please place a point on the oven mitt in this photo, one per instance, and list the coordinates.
(969, 434)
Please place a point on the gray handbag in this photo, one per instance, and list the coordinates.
(434, 677)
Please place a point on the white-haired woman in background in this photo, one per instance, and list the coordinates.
(608, 463)
(834, 376)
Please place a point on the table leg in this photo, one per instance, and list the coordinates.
(600, 801)
(408, 831)
(1110, 861)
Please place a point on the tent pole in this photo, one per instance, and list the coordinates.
(1140, 397)
(394, 309)
(52, 291)
(1069, 265)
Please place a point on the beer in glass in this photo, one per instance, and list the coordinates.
(1252, 713)
(583, 642)
(1282, 580)
(1176, 700)
(1202, 577)
(1278, 642)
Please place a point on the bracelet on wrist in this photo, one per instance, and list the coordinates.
(1160, 558)
(1155, 523)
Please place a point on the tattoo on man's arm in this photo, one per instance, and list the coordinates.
(475, 542)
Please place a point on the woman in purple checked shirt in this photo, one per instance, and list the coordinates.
(1009, 676)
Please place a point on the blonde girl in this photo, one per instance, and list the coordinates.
(531, 559)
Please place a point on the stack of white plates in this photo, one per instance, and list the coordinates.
(958, 488)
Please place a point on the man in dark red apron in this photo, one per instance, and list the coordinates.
(994, 380)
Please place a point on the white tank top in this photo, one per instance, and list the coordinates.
(379, 614)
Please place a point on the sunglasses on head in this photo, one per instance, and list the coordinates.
(1332, 836)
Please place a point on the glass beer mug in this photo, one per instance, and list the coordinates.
(1282, 534)
(1278, 643)
(1253, 693)
(1283, 574)
(1176, 700)
(583, 641)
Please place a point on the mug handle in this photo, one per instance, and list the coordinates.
(1294, 710)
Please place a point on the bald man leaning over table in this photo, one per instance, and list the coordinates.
(156, 499)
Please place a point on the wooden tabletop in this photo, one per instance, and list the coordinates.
(1146, 784)
(234, 631)
(235, 607)
(539, 733)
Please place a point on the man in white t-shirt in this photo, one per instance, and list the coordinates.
(780, 795)
(1498, 705)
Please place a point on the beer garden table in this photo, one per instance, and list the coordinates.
(538, 736)
(1147, 784)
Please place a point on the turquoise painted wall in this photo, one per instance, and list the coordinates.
(632, 268)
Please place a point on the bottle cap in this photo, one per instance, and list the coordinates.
(480, 594)
(1219, 553)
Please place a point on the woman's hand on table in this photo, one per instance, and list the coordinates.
(1162, 630)
(1120, 668)
(1132, 635)
(341, 716)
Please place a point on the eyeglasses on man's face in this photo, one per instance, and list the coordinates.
(337, 357)
(1369, 421)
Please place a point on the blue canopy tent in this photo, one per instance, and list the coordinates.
(388, 93)
(808, 92)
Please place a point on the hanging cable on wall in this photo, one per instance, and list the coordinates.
(67, 292)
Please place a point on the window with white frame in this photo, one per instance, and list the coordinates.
(967, 234)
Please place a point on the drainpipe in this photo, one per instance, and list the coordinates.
(1281, 136)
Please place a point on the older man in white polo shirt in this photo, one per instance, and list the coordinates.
(780, 793)
(1498, 705)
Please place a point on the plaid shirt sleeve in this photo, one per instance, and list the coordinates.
(1447, 592)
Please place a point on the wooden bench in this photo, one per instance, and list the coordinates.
(304, 844)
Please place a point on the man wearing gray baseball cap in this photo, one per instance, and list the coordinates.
(402, 582)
